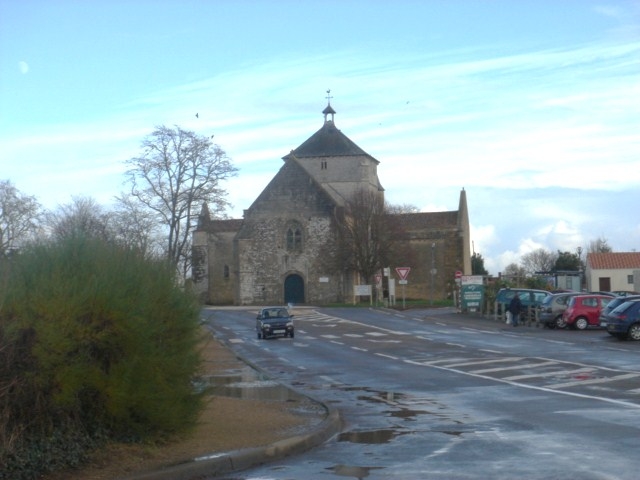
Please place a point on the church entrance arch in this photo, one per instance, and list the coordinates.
(293, 289)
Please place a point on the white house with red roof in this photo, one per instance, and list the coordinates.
(613, 271)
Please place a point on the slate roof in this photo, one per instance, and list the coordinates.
(328, 142)
(614, 260)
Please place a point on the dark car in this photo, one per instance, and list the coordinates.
(624, 321)
(552, 308)
(584, 310)
(612, 305)
(274, 321)
(531, 299)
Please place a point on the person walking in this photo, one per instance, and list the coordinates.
(515, 307)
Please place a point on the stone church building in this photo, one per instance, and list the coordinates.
(273, 254)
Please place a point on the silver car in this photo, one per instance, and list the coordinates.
(552, 308)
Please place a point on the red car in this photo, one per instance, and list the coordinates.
(584, 310)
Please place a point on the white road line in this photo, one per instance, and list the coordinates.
(593, 381)
(514, 367)
(386, 356)
(550, 374)
(481, 362)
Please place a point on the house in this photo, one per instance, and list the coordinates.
(613, 271)
(277, 252)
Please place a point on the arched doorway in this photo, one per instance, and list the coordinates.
(293, 289)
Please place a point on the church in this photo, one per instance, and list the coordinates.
(275, 254)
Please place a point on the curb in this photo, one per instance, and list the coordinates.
(222, 463)
(237, 460)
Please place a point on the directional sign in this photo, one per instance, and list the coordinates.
(403, 272)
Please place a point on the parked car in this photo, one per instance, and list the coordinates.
(625, 293)
(612, 305)
(584, 310)
(531, 299)
(552, 308)
(624, 320)
(274, 321)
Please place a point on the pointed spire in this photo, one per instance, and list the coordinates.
(328, 110)
(205, 217)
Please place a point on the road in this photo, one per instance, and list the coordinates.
(433, 394)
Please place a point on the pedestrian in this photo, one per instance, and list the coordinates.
(515, 307)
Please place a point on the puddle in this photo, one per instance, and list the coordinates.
(246, 384)
(352, 470)
(370, 436)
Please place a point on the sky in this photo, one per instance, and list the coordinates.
(531, 106)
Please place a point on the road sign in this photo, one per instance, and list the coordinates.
(378, 279)
(403, 272)
(458, 274)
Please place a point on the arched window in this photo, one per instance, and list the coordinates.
(294, 238)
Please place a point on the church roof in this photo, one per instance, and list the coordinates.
(328, 142)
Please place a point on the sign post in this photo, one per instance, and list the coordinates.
(472, 292)
(403, 273)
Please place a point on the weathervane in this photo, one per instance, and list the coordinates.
(329, 97)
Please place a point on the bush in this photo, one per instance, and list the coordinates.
(95, 341)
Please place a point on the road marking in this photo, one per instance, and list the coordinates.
(236, 340)
(594, 381)
(360, 349)
(550, 374)
(386, 356)
(481, 362)
(514, 367)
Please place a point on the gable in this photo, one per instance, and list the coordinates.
(292, 182)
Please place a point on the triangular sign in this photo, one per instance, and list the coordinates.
(403, 272)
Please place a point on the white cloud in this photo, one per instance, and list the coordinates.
(23, 67)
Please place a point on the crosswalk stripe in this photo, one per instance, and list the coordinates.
(593, 381)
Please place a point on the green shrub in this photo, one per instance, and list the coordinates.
(94, 340)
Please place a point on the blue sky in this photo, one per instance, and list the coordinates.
(533, 107)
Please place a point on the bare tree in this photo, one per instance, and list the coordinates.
(176, 173)
(136, 227)
(20, 217)
(368, 237)
(599, 246)
(539, 260)
(83, 216)
(514, 273)
(404, 208)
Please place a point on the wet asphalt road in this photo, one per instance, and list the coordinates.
(433, 394)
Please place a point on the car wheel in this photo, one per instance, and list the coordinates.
(634, 331)
(259, 336)
(560, 323)
(291, 334)
(581, 323)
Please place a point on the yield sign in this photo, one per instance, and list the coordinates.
(403, 272)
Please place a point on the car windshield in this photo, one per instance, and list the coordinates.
(624, 306)
(275, 313)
